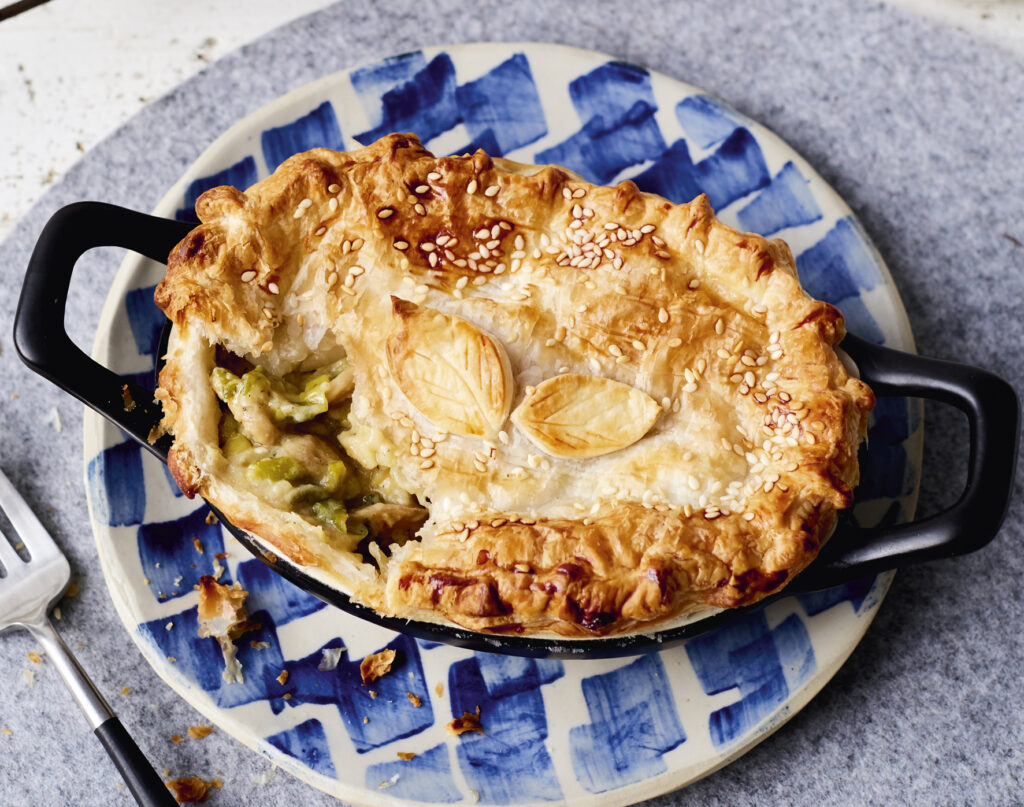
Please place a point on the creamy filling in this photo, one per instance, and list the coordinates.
(291, 441)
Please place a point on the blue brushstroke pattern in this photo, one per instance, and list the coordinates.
(145, 320)
(796, 655)
(603, 147)
(853, 592)
(510, 762)
(745, 655)
(704, 120)
(633, 723)
(318, 129)
(308, 744)
(391, 714)
(883, 465)
(200, 659)
(425, 777)
(838, 268)
(786, 202)
(241, 175)
(371, 82)
(673, 175)
(486, 140)
(610, 91)
(270, 592)
(505, 103)
(425, 104)
(839, 265)
(260, 667)
(117, 485)
(170, 560)
(736, 169)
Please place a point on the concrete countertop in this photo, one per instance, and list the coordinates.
(916, 123)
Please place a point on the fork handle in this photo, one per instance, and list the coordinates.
(144, 782)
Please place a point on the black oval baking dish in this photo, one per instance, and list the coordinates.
(990, 404)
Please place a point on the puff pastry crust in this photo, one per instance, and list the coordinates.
(617, 411)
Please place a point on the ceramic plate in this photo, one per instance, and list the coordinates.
(568, 732)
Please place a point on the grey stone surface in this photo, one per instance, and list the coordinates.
(916, 125)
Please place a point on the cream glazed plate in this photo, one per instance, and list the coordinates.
(554, 732)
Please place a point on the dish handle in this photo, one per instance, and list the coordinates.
(993, 416)
(39, 334)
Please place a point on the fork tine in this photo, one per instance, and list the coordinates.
(27, 527)
(9, 559)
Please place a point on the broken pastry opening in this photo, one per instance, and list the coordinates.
(285, 438)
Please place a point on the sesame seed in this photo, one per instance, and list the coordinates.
(480, 466)
(471, 187)
(248, 275)
(320, 231)
(420, 209)
(332, 205)
(691, 387)
(426, 465)
(722, 353)
(273, 288)
(332, 278)
(748, 378)
(385, 212)
(647, 228)
(433, 176)
(479, 281)
(307, 203)
(492, 191)
(566, 193)
(675, 341)
(615, 350)
(266, 347)
(662, 315)
(401, 245)
(422, 188)
(579, 193)
(719, 326)
(693, 284)
(639, 345)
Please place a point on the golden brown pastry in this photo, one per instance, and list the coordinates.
(468, 390)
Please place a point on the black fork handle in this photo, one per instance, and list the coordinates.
(993, 415)
(39, 334)
(991, 405)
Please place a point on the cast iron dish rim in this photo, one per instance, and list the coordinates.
(972, 522)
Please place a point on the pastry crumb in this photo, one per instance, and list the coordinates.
(329, 658)
(192, 789)
(34, 657)
(222, 616)
(211, 518)
(126, 398)
(198, 545)
(384, 785)
(283, 677)
(30, 677)
(468, 722)
(177, 738)
(439, 689)
(405, 756)
(126, 690)
(415, 700)
(199, 732)
(373, 694)
(375, 665)
(72, 589)
(6, 731)
(366, 720)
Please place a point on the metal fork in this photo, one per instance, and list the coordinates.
(27, 592)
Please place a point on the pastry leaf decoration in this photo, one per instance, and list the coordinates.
(455, 374)
(585, 416)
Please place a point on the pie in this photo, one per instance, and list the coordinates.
(467, 390)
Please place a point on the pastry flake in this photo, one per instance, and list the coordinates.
(584, 416)
(351, 334)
